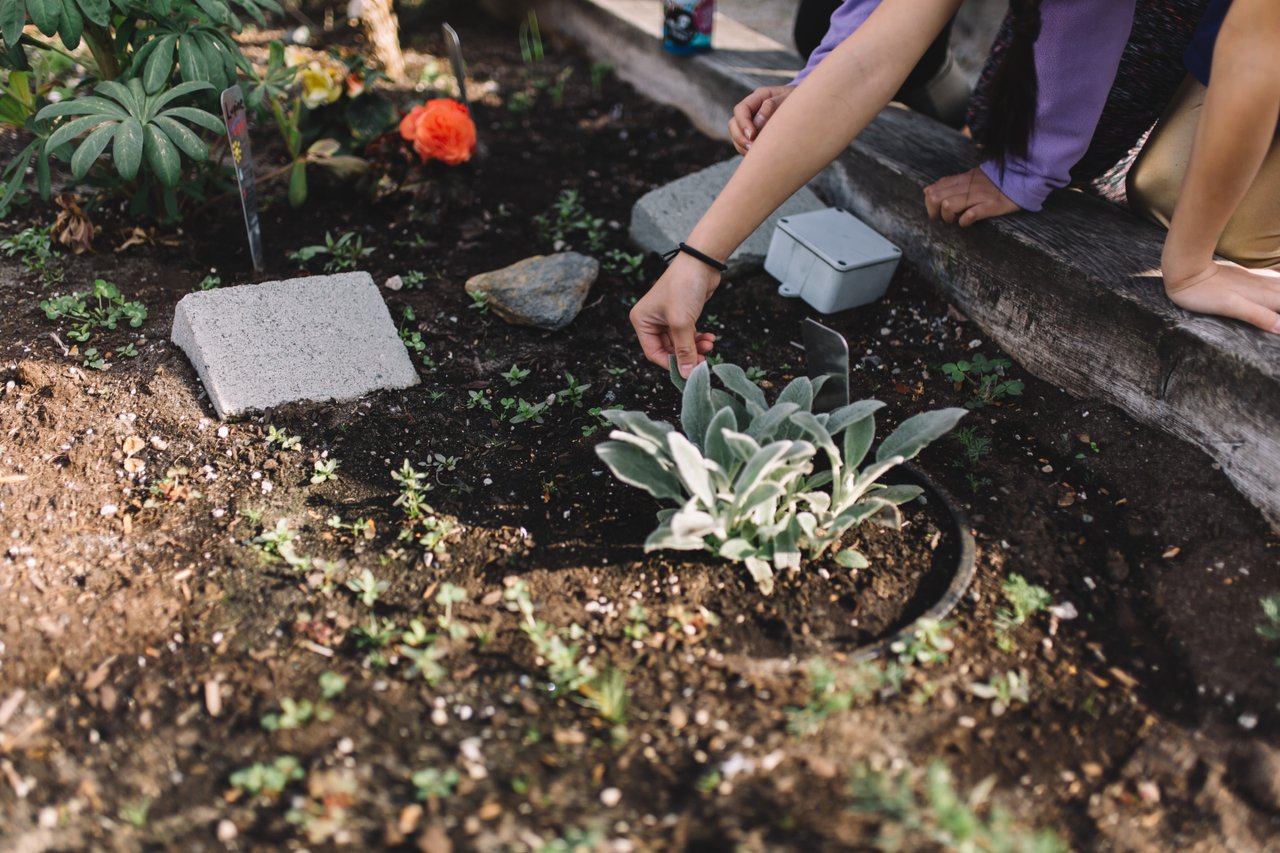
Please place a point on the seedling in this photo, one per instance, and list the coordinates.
(1003, 691)
(479, 399)
(600, 421)
(600, 72)
(573, 391)
(515, 375)
(973, 447)
(135, 814)
(278, 544)
(1270, 628)
(530, 39)
(606, 693)
(345, 253)
(94, 360)
(332, 684)
(368, 588)
(209, 282)
(826, 698)
(35, 247)
(755, 374)
(267, 779)
(1025, 600)
(413, 489)
(526, 411)
(615, 371)
(479, 301)
(708, 782)
(637, 623)
(985, 378)
(283, 439)
(110, 309)
(567, 219)
(448, 596)
(414, 279)
(433, 784)
(742, 475)
(324, 470)
(375, 634)
(920, 810)
(294, 714)
(425, 662)
(627, 266)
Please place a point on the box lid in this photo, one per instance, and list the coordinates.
(839, 238)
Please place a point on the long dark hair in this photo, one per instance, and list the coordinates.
(1013, 88)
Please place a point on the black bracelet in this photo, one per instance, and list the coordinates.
(694, 253)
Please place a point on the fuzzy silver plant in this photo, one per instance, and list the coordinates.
(741, 475)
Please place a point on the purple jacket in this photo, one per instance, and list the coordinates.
(1077, 55)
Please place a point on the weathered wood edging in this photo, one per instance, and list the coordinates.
(1073, 293)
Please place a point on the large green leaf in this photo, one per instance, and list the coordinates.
(126, 153)
(13, 16)
(45, 14)
(857, 441)
(91, 149)
(714, 445)
(843, 417)
(765, 427)
(735, 379)
(918, 432)
(696, 410)
(689, 465)
(157, 66)
(191, 64)
(98, 11)
(640, 424)
(181, 135)
(162, 156)
(632, 465)
(72, 26)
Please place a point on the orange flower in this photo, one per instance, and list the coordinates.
(441, 129)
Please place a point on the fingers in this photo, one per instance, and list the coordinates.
(653, 342)
(939, 190)
(685, 347)
(751, 113)
(979, 212)
(1252, 312)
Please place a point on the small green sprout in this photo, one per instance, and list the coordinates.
(331, 684)
(94, 359)
(345, 253)
(324, 470)
(1025, 600)
(515, 375)
(283, 439)
(267, 779)
(434, 784)
(209, 282)
(368, 587)
(479, 301)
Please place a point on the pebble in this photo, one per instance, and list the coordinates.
(394, 283)
(227, 831)
(610, 797)
(440, 716)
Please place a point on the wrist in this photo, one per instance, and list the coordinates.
(693, 272)
(1183, 269)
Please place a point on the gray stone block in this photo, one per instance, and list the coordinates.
(665, 216)
(327, 337)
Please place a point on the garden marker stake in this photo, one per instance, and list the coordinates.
(826, 353)
(238, 138)
(453, 44)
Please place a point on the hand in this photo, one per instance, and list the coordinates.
(1228, 290)
(752, 112)
(966, 198)
(664, 318)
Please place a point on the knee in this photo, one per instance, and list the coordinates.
(1151, 190)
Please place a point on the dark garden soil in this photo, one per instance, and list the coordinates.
(144, 637)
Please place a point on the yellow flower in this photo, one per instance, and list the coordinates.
(322, 83)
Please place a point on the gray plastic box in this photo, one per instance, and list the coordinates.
(830, 259)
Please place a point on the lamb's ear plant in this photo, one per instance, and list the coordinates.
(742, 474)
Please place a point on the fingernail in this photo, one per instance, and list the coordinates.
(1276, 327)
(747, 146)
(759, 120)
(685, 370)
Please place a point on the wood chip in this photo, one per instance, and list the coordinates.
(1123, 677)
(569, 737)
(96, 678)
(489, 810)
(132, 445)
(1170, 553)
(10, 479)
(11, 705)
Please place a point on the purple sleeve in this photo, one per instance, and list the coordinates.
(844, 20)
(1077, 55)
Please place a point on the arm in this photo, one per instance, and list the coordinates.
(753, 111)
(1236, 130)
(813, 125)
(1074, 77)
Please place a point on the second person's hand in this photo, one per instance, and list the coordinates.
(751, 113)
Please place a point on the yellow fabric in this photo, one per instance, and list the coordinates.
(1252, 235)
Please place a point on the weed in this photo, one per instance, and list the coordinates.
(94, 360)
(973, 447)
(35, 247)
(410, 337)
(269, 779)
(278, 544)
(574, 840)
(515, 375)
(209, 282)
(324, 470)
(479, 301)
(708, 782)
(555, 87)
(573, 391)
(627, 266)
(414, 279)
(294, 714)
(425, 660)
(606, 693)
(600, 72)
(526, 411)
(1025, 600)
(985, 378)
(368, 588)
(331, 684)
(826, 698)
(413, 490)
(755, 374)
(1003, 691)
(433, 784)
(920, 809)
(478, 399)
(135, 814)
(616, 371)
(375, 634)
(111, 308)
(531, 39)
(600, 421)
(567, 219)
(637, 624)
(283, 439)
(449, 595)
(345, 253)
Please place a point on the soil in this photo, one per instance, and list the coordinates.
(143, 636)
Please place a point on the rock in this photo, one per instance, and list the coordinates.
(664, 217)
(545, 291)
(326, 337)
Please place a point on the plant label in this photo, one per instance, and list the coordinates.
(233, 113)
(826, 353)
(453, 45)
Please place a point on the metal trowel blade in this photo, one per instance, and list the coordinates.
(826, 353)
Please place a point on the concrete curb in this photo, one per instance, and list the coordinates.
(1073, 293)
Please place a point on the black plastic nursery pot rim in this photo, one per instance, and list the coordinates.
(962, 575)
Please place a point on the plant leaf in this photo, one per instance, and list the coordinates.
(695, 409)
(91, 149)
(857, 441)
(918, 432)
(633, 466)
(735, 379)
(689, 465)
(126, 153)
(845, 416)
(162, 155)
(761, 573)
(798, 391)
(764, 427)
(714, 445)
(159, 64)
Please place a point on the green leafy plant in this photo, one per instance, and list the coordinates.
(209, 282)
(345, 252)
(921, 809)
(1025, 600)
(282, 438)
(368, 588)
(110, 308)
(628, 266)
(324, 470)
(1003, 690)
(515, 375)
(573, 391)
(267, 779)
(433, 784)
(332, 684)
(985, 378)
(742, 472)
(479, 301)
(567, 220)
(34, 247)
(294, 714)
